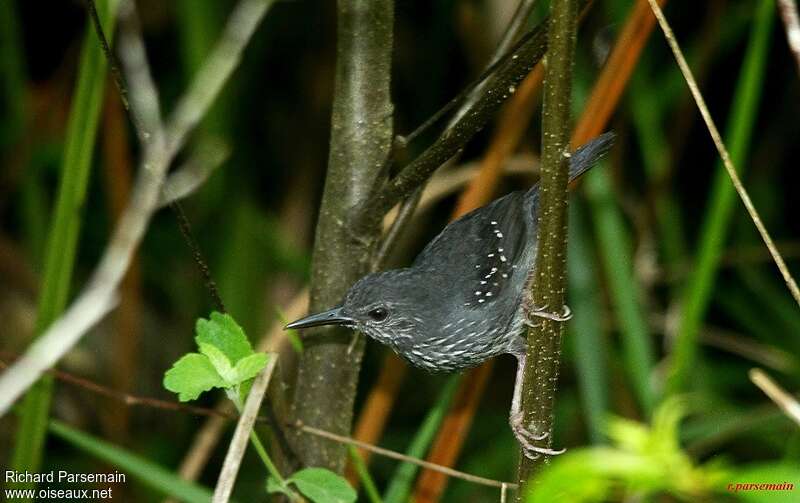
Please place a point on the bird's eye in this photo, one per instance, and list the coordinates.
(378, 314)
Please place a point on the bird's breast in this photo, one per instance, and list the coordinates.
(458, 345)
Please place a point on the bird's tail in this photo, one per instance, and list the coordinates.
(589, 153)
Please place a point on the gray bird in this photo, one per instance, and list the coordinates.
(462, 301)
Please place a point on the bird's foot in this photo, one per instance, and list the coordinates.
(542, 312)
(527, 439)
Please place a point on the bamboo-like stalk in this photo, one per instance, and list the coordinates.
(549, 274)
(603, 101)
(451, 436)
(63, 239)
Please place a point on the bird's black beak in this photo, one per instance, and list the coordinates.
(331, 317)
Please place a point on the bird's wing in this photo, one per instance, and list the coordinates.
(483, 250)
(492, 248)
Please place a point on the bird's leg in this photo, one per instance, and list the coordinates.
(542, 312)
(525, 437)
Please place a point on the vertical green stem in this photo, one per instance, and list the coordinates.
(398, 489)
(63, 239)
(370, 489)
(586, 328)
(721, 204)
(544, 340)
(614, 243)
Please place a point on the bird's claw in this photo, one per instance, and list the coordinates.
(526, 439)
(542, 312)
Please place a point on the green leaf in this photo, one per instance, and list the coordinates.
(151, 474)
(222, 331)
(295, 341)
(220, 362)
(291, 335)
(192, 375)
(323, 486)
(250, 366)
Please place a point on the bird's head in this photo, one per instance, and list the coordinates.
(380, 305)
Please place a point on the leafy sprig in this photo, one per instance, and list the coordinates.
(226, 360)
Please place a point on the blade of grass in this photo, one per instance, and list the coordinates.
(399, 487)
(648, 117)
(364, 477)
(198, 28)
(773, 300)
(450, 438)
(152, 475)
(707, 432)
(241, 272)
(585, 331)
(614, 241)
(697, 295)
(602, 102)
(741, 307)
(13, 70)
(63, 238)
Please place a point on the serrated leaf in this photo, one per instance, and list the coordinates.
(222, 331)
(220, 362)
(249, 367)
(192, 375)
(323, 486)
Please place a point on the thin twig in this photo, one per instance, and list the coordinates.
(404, 214)
(508, 43)
(723, 151)
(99, 295)
(189, 177)
(144, 99)
(402, 457)
(788, 404)
(505, 78)
(244, 428)
(791, 22)
(186, 231)
(154, 403)
(467, 97)
(114, 67)
(472, 93)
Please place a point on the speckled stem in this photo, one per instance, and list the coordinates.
(544, 339)
(361, 138)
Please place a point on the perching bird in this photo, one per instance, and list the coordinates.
(463, 300)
